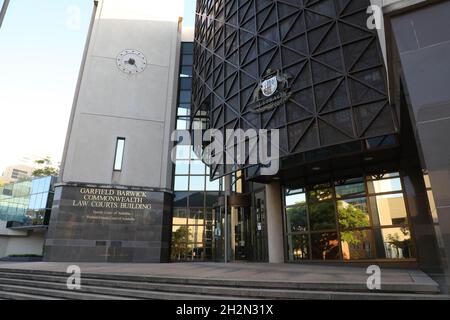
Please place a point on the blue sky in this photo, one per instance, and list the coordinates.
(41, 46)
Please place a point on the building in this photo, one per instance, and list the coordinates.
(24, 215)
(3, 7)
(16, 173)
(363, 167)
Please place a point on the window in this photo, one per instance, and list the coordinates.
(356, 219)
(118, 160)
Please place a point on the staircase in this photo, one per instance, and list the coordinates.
(18, 284)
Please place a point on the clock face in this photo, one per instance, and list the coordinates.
(131, 61)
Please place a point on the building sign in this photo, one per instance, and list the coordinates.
(271, 92)
(110, 205)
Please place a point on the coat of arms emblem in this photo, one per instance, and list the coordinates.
(275, 89)
(269, 86)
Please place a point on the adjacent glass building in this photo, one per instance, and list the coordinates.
(25, 209)
(27, 203)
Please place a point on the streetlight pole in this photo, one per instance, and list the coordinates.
(3, 11)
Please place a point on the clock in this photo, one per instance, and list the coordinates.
(131, 61)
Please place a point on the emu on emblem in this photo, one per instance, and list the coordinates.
(269, 86)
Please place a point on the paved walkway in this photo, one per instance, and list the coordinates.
(300, 273)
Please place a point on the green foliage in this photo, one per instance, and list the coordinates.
(351, 217)
(179, 240)
(46, 168)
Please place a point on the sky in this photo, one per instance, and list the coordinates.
(41, 47)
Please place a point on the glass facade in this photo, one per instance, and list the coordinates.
(354, 219)
(27, 203)
(195, 194)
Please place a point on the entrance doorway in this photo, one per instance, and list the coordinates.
(246, 238)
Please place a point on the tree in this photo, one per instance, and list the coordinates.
(351, 217)
(45, 168)
(179, 240)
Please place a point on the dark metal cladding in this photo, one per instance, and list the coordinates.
(330, 66)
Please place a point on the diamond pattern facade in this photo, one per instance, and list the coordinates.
(338, 85)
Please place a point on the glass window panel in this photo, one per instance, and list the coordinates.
(44, 201)
(198, 167)
(388, 210)
(39, 201)
(196, 233)
(432, 206)
(297, 219)
(118, 159)
(196, 216)
(182, 124)
(47, 183)
(183, 152)
(186, 72)
(33, 204)
(184, 109)
(197, 183)
(357, 245)
(182, 167)
(187, 47)
(295, 199)
(178, 245)
(354, 187)
(186, 83)
(197, 200)
(187, 59)
(325, 246)
(181, 183)
(322, 216)
(212, 185)
(180, 213)
(185, 96)
(353, 213)
(427, 180)
(298, 247)
(320, 194)
(387, 185)
(180, 199)
(396, 243)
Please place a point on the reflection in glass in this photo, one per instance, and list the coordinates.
(298, 247)
(356, 245)
(387, 185)
(297, 218)
(196, 233)
(197, 183)
(353, 187)
(295, 199)
(353, 213)
(388, 210)
(196, 216)
(320, 193)
(397, 243)
(180, 234)
(322, 216)
(181, 183)
(324, 246)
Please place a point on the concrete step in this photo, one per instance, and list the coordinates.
(147, 290)
(423, 285)
(110, 291)
(21, 296)
(61, 294)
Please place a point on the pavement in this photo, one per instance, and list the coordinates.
(294, 273)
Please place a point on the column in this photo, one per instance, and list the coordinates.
(274, 219)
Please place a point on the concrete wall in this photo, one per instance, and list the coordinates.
(20, 242)
(111, 104)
